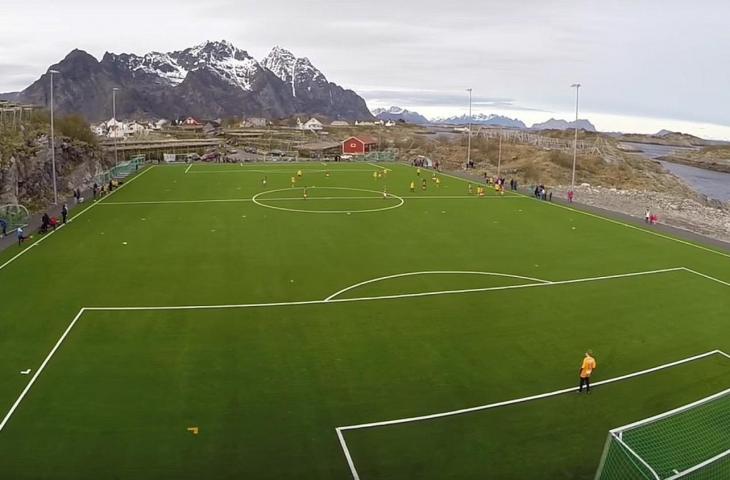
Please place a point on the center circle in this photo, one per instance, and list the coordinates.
(388, 196)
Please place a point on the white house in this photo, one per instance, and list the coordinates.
(312, 124)
(136, 128)
(114, 128)
(339, 123)
(390, 123)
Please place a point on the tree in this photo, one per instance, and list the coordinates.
(77, 128)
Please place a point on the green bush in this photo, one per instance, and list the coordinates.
(77, 128)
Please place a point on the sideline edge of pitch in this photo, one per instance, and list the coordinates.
(617, 222)
(73, 217)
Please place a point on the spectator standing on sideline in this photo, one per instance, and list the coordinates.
(4, 226)
(95, 190)
(21, 236)
(570, 196)
(64, 213)
(647, 215)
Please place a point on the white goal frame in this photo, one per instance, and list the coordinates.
(616, 434)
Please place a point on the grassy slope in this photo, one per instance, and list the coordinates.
(268, 386)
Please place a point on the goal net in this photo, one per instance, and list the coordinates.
(690, 442)
(14, 216)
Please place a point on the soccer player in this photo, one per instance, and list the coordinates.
(305, 192)
(263, 182)
(438, 182)
(375, 174)
(299, 173)
(423, 184)
(418, 171)
(469, 189)
(293, 181)
(586, 368)
(413, 186)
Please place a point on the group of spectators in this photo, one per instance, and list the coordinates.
(542, 193)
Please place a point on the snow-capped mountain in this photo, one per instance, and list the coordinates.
(559, 124)
(483, 119)
(399, 114)
(210, 80)
(297, 72)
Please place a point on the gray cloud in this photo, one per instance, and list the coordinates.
(667, 59)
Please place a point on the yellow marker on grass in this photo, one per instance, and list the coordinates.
(193, 430)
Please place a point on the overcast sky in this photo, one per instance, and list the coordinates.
(644, 65)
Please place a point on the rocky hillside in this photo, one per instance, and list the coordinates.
(25, 166)
(211, 80)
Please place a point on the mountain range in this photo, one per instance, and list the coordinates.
(397, 114)
(210, 80)
(483, 119)
(556, 124)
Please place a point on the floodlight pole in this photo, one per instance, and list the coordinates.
(53, 144)
(575, 142)
(468, 148)
(116, 125)
(499, 158)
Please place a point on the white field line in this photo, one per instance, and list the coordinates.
(40, 369)
(305, 171)
(235, 200)
(351, 463)
(631, 426)
(387, 297)
(346, 451)
(189, 167)
(694, 468)
(431, 272)
(527, 399)
(376, 166)
(73, 217)
(708, 277)
(617, 222)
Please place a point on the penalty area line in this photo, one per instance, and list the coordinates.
(189, 167)
(351, 463)
(40, 370)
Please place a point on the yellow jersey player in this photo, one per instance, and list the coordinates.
(418, 171)
(469, 189)
(293, 181)
(305, 193)
(438, 182)
(375, 174)
(263, 182)
(413, 186)
(299, 173)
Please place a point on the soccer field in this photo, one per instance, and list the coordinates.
(339, 336)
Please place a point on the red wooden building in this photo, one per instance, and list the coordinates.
(359, 145)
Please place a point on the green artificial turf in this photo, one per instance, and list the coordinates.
(267, 385)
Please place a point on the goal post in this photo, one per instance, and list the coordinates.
(689, 442)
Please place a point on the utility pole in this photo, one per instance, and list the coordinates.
(53, 143)
(116, 125)
(468, 148)
(575, 142)
(499, 158)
